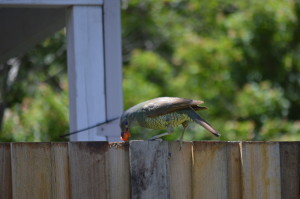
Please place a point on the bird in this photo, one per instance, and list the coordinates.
(164, 113)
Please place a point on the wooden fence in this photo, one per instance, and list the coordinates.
(150, 169)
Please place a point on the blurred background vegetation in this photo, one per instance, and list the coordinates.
(241, 57)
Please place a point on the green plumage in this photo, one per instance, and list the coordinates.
(164, 113)
(164, 121)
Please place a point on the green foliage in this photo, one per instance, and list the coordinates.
(36, 101)
(42, 117)
(260, 102)
(240, 57)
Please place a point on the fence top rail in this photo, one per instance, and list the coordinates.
(114, 143)
(150, 169)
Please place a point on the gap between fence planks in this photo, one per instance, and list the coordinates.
(150, 169)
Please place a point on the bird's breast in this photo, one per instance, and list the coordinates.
(163, 121)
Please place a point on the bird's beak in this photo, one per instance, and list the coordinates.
(125, 136)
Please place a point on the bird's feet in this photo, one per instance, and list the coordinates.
(158, 136)
(180, 144)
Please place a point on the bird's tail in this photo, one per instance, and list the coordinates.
(196, 118)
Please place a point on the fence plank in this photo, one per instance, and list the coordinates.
(210, 170)
(118, 169)
(289, 169)
(87, 161)
(60, 171)
(158, 170)
(261, 170)
(5, 171)
(234, 170)
(180, 170)
(31, 170)
(149, 169)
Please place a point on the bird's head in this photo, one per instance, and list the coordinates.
(125, 134)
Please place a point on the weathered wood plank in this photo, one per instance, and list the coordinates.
(149, 169)
(118, 170)
(158, 170)
(180, 170)
(5, 171)
(261, 170)
(31, 170)
(289, 169)
(60, 171)
(87, 162)
(210, 170)
(234, 163)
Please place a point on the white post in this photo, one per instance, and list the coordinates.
(86, 71)
(113, 66)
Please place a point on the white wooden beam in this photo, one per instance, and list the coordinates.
(113, 66)
(26, 3)
(86, 70)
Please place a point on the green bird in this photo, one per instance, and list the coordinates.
(164, 113)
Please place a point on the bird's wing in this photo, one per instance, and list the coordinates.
(164, 105)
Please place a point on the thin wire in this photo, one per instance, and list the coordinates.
(87, 128)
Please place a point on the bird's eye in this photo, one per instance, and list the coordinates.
(126, 124)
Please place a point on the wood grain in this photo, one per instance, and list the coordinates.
(5, 171)
(31, 170)
(118, 170)
(261, 170)
(210, 170)
(87, 162)
(60, 171)
(180, 170)
(149, 169)
(289, 169)
(234, 165)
